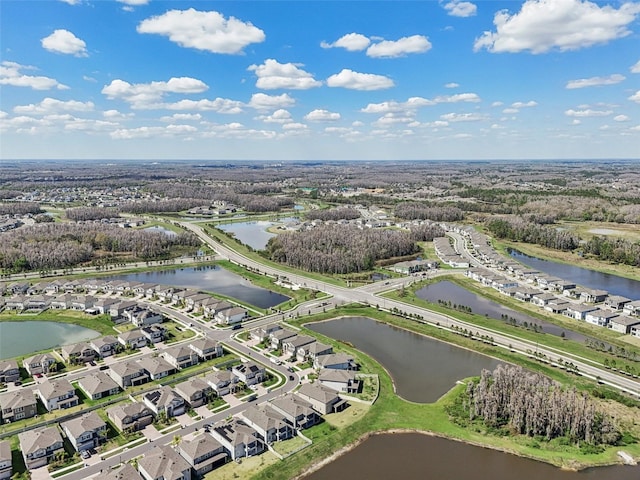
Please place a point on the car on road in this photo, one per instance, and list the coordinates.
(92, 363)
(17, 383)
(104, 367)
(291, 377)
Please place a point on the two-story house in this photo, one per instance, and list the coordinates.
(40, 364)
(156, 367)
(9, 371)
(105, 346)
(6, 464)
(238, 438)
(98, 385)
(268, 422)
(78, 353)
(130, 416)
(250, 373)
(180, 357)
(132, 339)
(17, 405)
(222, 382)
(196, 391)
(86, 431)
(128, 373)
(164, 463)
(296, 410)
(165, 400)
(206, 348)
(323, 399)
(203, 453)
(39, 446)
(57, 394)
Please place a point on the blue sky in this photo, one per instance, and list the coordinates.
(272, 80)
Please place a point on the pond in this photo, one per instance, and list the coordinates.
(211, 279)
(23, 338)
(413, 456)
(450, 292)
(422, 369)
(253, 234)
(613, 284)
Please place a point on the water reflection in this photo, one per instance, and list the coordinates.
(414, 456)
(254, 234)
(212, 279)
(422, 369)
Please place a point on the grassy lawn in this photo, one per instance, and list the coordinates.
(247, 469)
(289, 446)
(174, 335)
(370, 388)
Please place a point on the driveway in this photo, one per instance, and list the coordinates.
(151, 433)
(41, 473)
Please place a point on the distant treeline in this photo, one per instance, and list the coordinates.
(84, 214)
(63, 245)
(335, 214)
(419, 211)
(20, 208)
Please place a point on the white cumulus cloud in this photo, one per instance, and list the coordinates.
(11, 74)
(463, 117)
(359, 81)
(262, 101)
(209, 31)
(587, 112)
(460, 97)
(528, 104)
(544, 25)
(274, 75)
(595, 81)
(635, 97)
(352, 42)
(219, 105)
(281, 116)
(636, 67)
(451, 85)
(63, 41)
(621, 118)
(461, 9)
(145, 95)
(53, 105)
(319, 115)
(399, 48)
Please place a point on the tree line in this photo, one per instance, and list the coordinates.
(335, 214)
(420, 211)
(518, 229)
(84, 214)
(339, 249)
(528, 403)
(20, 208)
(62, 245)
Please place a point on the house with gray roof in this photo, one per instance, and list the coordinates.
(238, 438)
(165, 400)
(57, 394)
(340, 380)
(164, 463)
(142, 316)
(277, 337)
(250, 373)
(105, 346)
(600, 317)
(206, 348)
(128, 373)
(98, 385)
(40, 364)
(40, 445)
(17, 405)
(616, 302)
(6, 463)
(338, 361)
(132, 339)
(323, 399)
(78, 353)
(125, 471)
(9, 371)
(579, 311)
(154, 333)
(196, 391)
(204, 454)
(130, 416)
(222, 381)
(313, 350)
(623, 323)
(180, 356)
(270, 424)
(291, 345)
(156, 367)
(86, 431)
(232, 315)
(632, 308)
(296, 410)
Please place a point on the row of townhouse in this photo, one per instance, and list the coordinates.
(448, 254)
(618, 313)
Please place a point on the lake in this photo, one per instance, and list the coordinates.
(22, 338)
(253, 234)
(412, 456)
(448, 291)
(613, 284)
(422, 369)
(211, 279)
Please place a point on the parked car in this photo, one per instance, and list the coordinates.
(85, 454)
(104, 367)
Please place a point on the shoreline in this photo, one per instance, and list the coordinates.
(399, 431)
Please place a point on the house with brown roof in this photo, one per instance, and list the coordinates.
(9, 371)
(206, 348)
(180, 356)
(270, 424)
(156, 367)
(78, 353)
(128, 373)
(39, 446)
(86, 431)
(296, 410)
